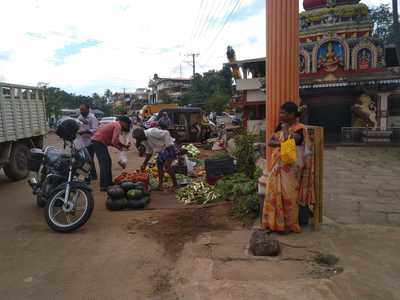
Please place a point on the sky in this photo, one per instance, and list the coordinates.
(87, 46)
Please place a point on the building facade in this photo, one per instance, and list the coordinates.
(348, 78)
(167, 89)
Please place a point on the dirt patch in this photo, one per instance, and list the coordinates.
(174, 229)
(162, 288)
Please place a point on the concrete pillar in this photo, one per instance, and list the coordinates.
(282, 60)
(383, 111)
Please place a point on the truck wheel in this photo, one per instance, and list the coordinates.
(17, 167)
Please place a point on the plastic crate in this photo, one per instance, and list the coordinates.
(220, 167)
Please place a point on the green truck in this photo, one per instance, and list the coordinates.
(23, 126)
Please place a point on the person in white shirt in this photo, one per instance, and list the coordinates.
(89, 125)
(158, 141)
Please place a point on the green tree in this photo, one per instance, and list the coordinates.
(217, 102)
(382, 18)
(211, 91)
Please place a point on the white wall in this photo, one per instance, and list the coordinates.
(255, 126)
(248, 84)
(394, 121)
(255, 96)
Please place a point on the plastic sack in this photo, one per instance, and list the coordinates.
(123, 159)
(190, 165)
(288, 151)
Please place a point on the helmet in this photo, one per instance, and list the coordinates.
(67, 129)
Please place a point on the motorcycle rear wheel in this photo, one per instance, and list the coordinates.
(61, 218)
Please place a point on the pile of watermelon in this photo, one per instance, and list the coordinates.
(127, 195)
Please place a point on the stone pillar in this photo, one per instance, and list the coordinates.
(383, 111)
(282, 78)
(282, 60)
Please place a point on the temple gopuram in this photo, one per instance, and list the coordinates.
(349, 81)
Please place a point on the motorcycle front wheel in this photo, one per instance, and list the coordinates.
(68, 217)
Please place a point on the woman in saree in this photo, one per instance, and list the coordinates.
(289, 186)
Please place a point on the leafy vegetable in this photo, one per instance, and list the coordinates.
(197, 193)
(192, 150)
(246, 154)
(242, 191)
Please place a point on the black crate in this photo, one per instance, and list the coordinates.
(220, 167)
(35, 160)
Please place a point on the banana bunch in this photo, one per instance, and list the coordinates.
(192, 150)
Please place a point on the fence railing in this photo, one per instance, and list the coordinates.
(364, 136)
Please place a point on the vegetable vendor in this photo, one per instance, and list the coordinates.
(109, 135)
(158, 140)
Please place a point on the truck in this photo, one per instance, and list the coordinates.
(151, 109)
(23, 126)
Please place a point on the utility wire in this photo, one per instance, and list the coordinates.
(208, 19)
(235, 8)
(224, 7)
(196, 23)
(203, 18)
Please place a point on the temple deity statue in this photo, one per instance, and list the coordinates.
(331, 61)
(364, 59)
(231, 55)
(364, 112)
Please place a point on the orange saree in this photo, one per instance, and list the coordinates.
(289, 186)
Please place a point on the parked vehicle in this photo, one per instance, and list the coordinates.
(23, 126)
(224, 118)
(107, 120)
(151, 109)
(188, 124)
(61, 185)
(150, 122)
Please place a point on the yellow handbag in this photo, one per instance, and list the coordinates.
(288, 151)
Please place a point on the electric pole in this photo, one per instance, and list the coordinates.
(194, 55)
(396, 29)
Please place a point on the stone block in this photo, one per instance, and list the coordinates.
(374, 218)
(387, 193)
(380, 207)
(394, 219)
(261, 244)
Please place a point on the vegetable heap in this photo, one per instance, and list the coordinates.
(132, 176)
(197, 193)
(192, 150)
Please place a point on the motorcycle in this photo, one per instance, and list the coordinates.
(61, 186)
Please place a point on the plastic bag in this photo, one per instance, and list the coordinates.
(189, 165)
(123, 159)
(288, 151)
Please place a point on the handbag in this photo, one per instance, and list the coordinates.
(288, 151)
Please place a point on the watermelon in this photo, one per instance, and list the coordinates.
(116, 192)
(140, 186)
(134, 194)
(138, 204)
(116, 204)
(127, 186)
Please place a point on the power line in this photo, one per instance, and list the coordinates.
(224, 7)
(235, 8)
(202, 19)
(196, 23)
(207, 20)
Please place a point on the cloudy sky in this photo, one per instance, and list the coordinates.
(87, 46)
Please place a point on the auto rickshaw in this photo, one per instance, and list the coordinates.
(188, 125)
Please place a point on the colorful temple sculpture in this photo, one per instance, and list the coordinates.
(349, 81)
